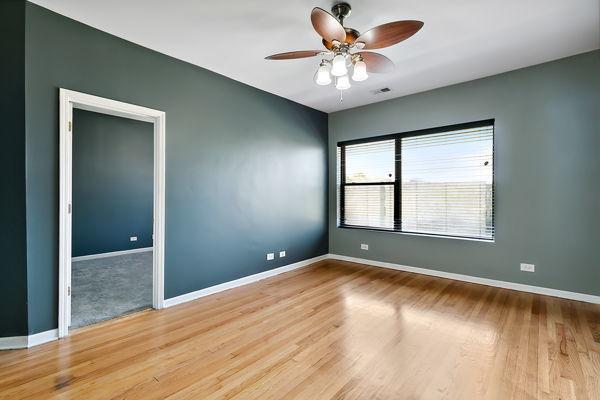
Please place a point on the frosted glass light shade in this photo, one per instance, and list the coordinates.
(338, 66)
(323, 77)
(342, 83)
(360, 71)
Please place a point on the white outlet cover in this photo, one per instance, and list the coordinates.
(527, 267)
(282, 254)
(270, 256)
(133, 239)
(364, 246)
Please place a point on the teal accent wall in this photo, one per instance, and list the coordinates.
(547, 175)
(13, 284)
(245, 170)
(113, 183)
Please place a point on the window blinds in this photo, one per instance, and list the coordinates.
(437, 182)
(447, 183)
(369, 180)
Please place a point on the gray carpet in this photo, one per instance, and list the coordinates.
(105, 288)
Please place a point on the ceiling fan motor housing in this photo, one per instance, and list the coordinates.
(351, 36)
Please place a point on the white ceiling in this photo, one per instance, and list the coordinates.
(461, 40)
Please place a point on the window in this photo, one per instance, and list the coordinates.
(437, 182)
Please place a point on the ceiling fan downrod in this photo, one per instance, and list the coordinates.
(341, 11)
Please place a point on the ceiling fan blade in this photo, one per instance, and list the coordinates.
(291, 55)
(389, 34)
(376, 62)
(327, 26)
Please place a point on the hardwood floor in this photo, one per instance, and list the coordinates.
(334, 330)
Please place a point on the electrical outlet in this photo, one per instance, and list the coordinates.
(270, 256)
(527, 267)
(282, 254)
(364, 246)
(133, 239)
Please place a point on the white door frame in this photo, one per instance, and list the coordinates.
(68, 100)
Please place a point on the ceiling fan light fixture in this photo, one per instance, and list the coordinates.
(360, 71)
(338, 65)
(323, 77)
(342, 82)
(345, 58)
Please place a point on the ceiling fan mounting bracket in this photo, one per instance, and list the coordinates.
(341, 11)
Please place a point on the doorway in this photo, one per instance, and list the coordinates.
(136, 256)
(111, 263)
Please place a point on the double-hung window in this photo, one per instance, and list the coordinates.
(435, 181)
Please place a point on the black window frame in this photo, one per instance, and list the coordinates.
(397, 183)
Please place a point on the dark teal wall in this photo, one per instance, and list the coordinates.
(245, 170)
(547, 174)
(113, 162)
(13, 284)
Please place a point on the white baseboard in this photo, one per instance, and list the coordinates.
(23, 342)
(240, 282)
(589, 298)
(42, 337)
(112, 254)
(13, 342)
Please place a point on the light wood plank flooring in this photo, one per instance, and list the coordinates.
(334, 330)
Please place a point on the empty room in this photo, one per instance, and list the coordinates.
(300, 200)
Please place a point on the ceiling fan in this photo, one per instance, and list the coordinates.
(344, 46)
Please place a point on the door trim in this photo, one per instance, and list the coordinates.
(69, 100)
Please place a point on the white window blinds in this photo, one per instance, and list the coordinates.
(437, 182)
(447, 183)
(369, 179)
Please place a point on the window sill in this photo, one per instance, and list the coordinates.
(429, 235)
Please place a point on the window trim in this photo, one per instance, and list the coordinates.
(398, 178)
(418, 234)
